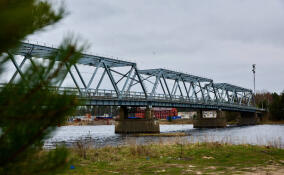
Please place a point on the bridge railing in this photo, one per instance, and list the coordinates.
(133, 95)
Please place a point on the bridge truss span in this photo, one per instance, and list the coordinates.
(158, 87)
(234, 94)
(185, 86)
(121, 86)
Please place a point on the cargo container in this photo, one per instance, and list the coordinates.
(159, 113)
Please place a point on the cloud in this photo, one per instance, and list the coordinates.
(218, 39)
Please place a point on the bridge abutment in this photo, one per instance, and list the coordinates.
(124, 125)
(218, 120)
(248, 118)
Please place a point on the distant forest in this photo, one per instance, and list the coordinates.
(273, 103)
(97, 110)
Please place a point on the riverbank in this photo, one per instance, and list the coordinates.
(270, 122)
(162, 122)
(112, 122)
(199, 158)
(90, 123)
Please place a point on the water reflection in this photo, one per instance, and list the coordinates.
(104, 135)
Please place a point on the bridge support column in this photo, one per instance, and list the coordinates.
(210, 119)
(248, 118)
(123, 113)
(124, 125)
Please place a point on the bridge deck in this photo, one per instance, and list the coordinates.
(136, 99)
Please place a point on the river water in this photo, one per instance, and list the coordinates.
(103, 135)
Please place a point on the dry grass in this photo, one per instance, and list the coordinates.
(177, 157)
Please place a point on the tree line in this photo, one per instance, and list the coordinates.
(273, 103)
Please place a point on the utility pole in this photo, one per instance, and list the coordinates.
(253, 71)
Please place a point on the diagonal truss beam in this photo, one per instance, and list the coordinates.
(73, 77)
(112, 80)
(93, 76)
(167, 87)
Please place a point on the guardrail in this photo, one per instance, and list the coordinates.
(111, 94)
(133, 95)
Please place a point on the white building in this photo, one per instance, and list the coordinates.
(187, 115)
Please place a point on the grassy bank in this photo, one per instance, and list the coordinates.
(205, 158)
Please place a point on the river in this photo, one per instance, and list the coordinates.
(103, 135)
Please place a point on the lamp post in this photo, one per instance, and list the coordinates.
(253, 71)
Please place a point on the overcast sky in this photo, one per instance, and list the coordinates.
(218, 39)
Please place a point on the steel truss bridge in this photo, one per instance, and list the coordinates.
(177, 89)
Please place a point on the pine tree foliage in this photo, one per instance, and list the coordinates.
(29, 110)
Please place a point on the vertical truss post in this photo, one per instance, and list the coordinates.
(218, 94)
(222, 94)
(112, 80)
(194, 90)
(214, 91)
(246, 99)
(233, 96)
(249, 100)
(131, 82)
(100, 82)
(141, 82)
(208, 93)
(228, 96)
(201, 90)
(235, 99)
(241, 99)
(173, 89)
(93, 76)
(186, 91)
(156, 84)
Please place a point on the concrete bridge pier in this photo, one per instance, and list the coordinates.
(203, 121)
(124, 125)
(248, 118)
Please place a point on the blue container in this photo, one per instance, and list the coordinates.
(173, 117)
